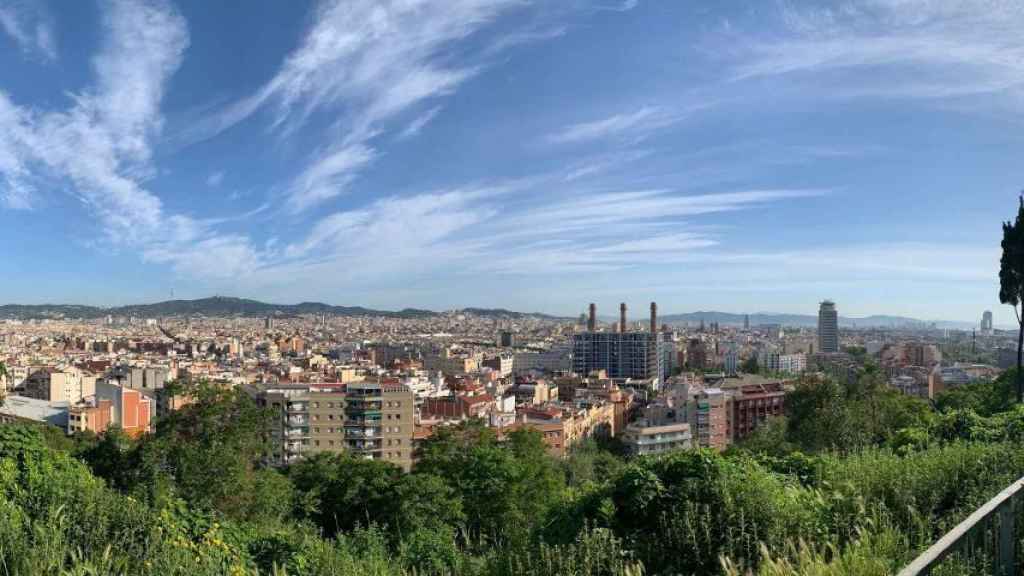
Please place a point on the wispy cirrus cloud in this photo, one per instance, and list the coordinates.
(631, 127)
(512, 228)
(418, 123)
(101, 145)
(30, 27)
(926, 49)
(364, 63)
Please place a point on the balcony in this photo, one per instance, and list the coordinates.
(361, 405)
(298, 408)
(296, 433)
(987, 538)
(361, 422)
(364, 445)
(362, 433)
(298, 421)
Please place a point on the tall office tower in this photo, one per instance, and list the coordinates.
(746, 321)
(268, 323)
(986, 322)
(828, 328)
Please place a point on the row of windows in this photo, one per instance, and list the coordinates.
(329, 416)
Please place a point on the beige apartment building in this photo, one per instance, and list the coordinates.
(65, 384)
(368, 419)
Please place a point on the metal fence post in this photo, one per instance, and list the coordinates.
(1007, 538)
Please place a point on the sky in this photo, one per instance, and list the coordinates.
(742, 156)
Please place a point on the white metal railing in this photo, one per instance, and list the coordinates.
(996, 517)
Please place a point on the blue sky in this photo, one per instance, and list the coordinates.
(738, 155)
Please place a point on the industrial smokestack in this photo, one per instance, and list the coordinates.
(622, 317)
(654, 317)
(592, 320)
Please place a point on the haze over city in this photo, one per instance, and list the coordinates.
(534, 156)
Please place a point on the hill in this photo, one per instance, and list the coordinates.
(221, 306)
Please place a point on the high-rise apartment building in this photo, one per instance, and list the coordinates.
(828, 328)
(620, 353)
(986, 322)
(369, 419)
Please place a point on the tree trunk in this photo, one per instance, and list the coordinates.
(1020, 349)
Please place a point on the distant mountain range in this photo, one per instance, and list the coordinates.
(807, 320)
(220, 306)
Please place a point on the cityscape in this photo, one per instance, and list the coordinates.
(511, 288)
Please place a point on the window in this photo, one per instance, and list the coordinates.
(316, 404)
(330, 416)
(330, 404)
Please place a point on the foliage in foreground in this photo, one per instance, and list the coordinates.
(478, 506)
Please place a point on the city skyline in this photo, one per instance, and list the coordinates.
(498, 153)
(224, 306)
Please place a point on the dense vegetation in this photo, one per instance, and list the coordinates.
(854, 480)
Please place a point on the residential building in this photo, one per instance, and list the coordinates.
(792, 363)
(752, 404)
(369, 419)
(112, 404)
(696, 354)
(640, 439)
(708, 413)
(66, 384)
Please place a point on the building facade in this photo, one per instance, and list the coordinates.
(828, 328)
(368, 419)
(641, 439)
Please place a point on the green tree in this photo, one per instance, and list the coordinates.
(1011, 281)
(340, 492)
(209, 454)
(111, 458)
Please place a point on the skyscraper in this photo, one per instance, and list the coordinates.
(828, 328)
(986, 322)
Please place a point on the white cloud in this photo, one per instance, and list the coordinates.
(924, 49)
(30, 28)
(102, 145)
(329, 176)
(603, 163)
(418, 123)
(363, 63)
(633, 126)
(215, 178)
(510, 228)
